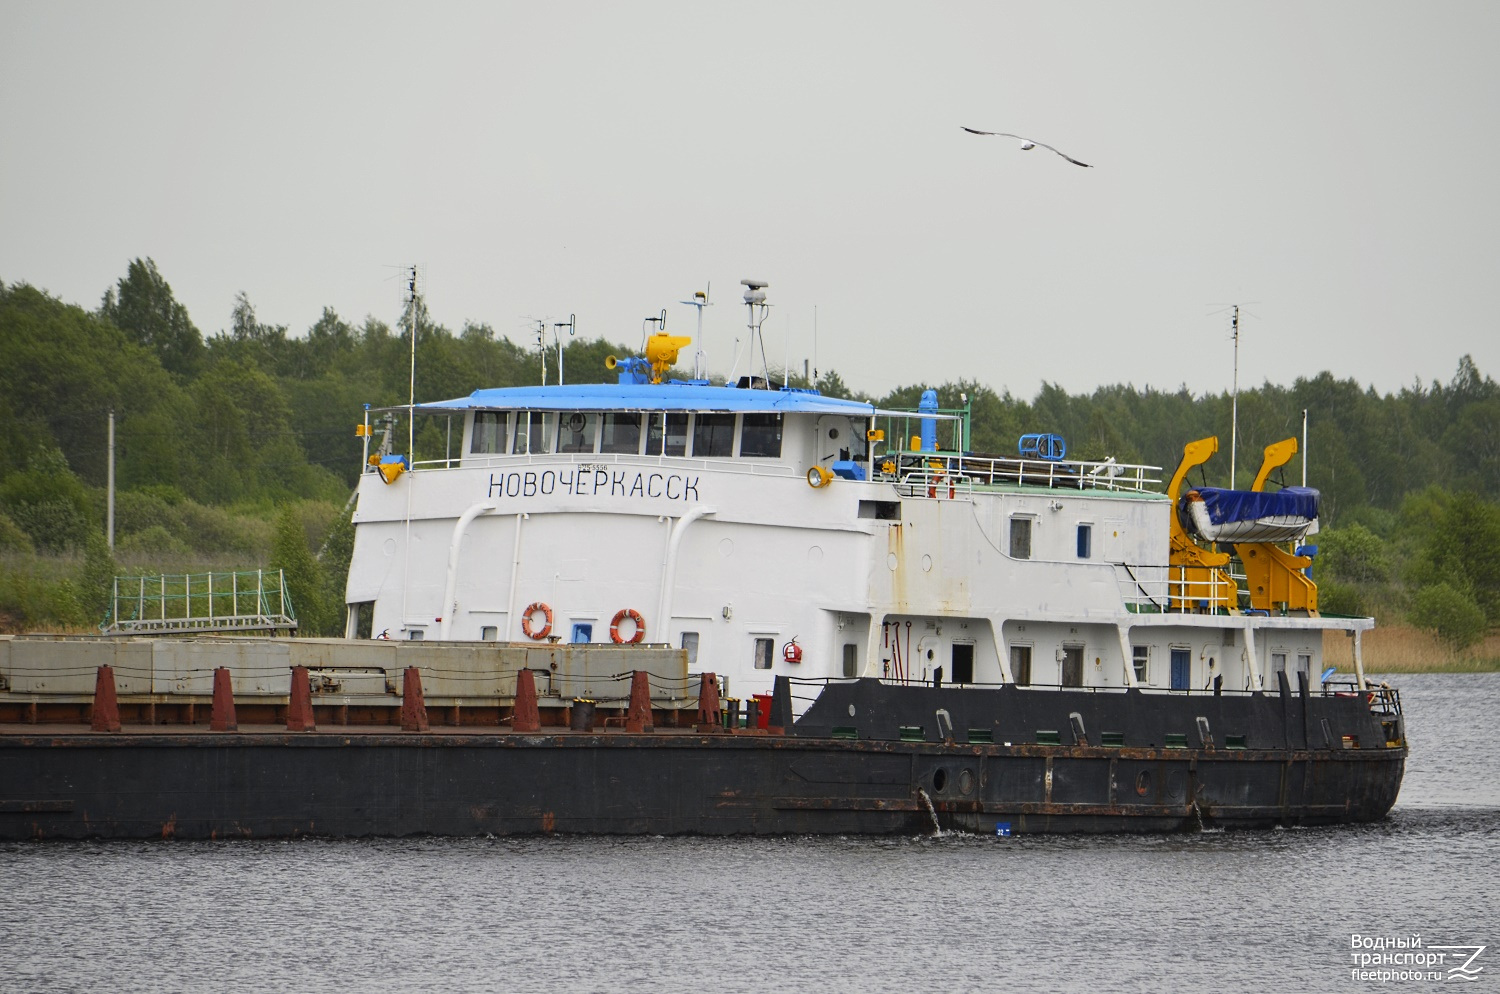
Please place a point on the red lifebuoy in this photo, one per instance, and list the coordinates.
(633, 615)
(526, 625)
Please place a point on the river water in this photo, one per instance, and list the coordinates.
(1211, 911)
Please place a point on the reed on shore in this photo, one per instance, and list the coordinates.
(1403, 649)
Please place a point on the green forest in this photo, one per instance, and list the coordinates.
(237, 450)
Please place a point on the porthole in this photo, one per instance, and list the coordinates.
(939, 779)
(1143, 782)
(966, 782)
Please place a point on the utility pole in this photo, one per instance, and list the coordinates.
(109, 525)
(1234, 423)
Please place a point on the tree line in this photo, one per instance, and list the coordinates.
(233, 444)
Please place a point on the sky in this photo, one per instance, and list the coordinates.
(1330, 166)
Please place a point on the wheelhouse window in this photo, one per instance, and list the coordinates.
(489, 432)
(576, 431)
(533, 433)
(760, 436)
(621, 433)
(667, 435)
(1020, 538)
(713, 435)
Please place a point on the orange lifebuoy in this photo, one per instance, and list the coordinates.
(633, 615)
(526, 626)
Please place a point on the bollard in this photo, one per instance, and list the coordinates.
(106, 717)
(638, 718)
(781, 707)
(526, 717)
(708, 699)
(222, 718)
(732, 713)
(299, 712)
(752, 713)
(582, 717)
(708, 703)
(413, 707)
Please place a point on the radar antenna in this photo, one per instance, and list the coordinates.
(755, 303)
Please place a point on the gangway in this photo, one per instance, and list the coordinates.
(191, 603)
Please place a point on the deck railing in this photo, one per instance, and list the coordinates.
(991, 471)
(237, 601)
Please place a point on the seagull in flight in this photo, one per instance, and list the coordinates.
(1027, 144)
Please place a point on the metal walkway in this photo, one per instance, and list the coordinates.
(193, 603)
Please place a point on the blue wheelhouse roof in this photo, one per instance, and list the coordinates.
(647, 397)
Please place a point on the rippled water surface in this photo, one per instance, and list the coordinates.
(1211, 911)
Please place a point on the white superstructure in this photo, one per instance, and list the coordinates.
(738, 521)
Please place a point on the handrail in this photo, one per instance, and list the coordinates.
(1013, 471)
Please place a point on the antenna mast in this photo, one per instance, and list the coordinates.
(569, 324)
(755, 303)
(700, 301)
(411, 385)
(814, 383)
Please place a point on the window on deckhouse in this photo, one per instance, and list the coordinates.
(576, 430)
(489, 432)
(760, 436)
(1020, 538)
(713, 435)
(669, 439)
(621, 433)
(533, 433)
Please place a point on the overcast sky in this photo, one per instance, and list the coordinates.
(1331, 165)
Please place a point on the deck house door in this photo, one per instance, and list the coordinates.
(1181, 669)
(1072, 666)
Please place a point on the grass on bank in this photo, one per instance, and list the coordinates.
(1403, 649)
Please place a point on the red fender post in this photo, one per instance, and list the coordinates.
(638, 719)
(106, 717)
(222, 718)
(413, 707)
(526, 717)
(299, 712)
(708, 719)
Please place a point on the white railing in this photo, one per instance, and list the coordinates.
(1006, 471)
(237, 601)
(1164, 589)
(934, 483)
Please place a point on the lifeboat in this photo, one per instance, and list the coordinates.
(1213, 514)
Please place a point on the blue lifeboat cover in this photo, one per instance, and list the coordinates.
(1225, 506)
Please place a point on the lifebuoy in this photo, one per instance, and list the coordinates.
(531, 611)
(633, 615)
(818, 477)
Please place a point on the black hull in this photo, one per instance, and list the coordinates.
(196, 784)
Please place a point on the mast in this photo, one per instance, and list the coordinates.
(1304, 446)
(755, 303)
(569, 324)
(700, 301)
(411, 385)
